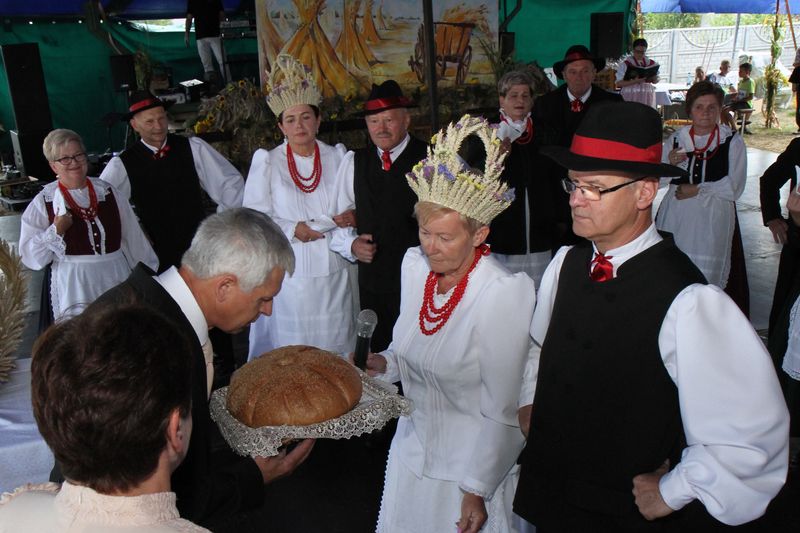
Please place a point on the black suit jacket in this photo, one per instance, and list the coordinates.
(554, 123)
(210, 486)
(787, 284)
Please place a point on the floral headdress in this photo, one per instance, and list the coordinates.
(290, 83)
(443, 178)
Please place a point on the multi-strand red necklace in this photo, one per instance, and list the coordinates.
(428, 313)
(703, 154)
(309, 184)
(85, 213)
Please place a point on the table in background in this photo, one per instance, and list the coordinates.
(24, 456)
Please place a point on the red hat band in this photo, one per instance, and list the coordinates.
(144, 103)
(575, 56)
(605, 149)
(382, 103)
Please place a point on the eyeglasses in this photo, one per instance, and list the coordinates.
(69, 159)
(640, 50)
(593, 192)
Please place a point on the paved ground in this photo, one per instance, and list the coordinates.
(348, 475)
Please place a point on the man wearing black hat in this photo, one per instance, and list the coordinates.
(375, 183)
(162, 176)
(556, 115)
(655, 405)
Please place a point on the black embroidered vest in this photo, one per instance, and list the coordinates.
(605, 408)
(166, 196)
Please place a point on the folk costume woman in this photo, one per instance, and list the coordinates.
(637, 88)
(457, 351)
(523, 235)
(82, 227)
(295, 184)
(700, 211)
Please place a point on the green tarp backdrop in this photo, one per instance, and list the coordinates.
(77, 72)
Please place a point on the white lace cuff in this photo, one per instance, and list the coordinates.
(466, 487)
(55, 242)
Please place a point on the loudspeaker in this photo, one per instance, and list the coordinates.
(123, 72)
(28, 156)
(507, 43)
(27, 87)
(607, 36)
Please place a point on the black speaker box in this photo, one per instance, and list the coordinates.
(27, 87)
(28, 156)
(123, 72)
(607, 35)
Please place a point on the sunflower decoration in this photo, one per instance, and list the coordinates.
(12, 312)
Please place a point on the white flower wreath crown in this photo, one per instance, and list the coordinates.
(290, 83)
(443, 178)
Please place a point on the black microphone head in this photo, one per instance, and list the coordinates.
(366, 322)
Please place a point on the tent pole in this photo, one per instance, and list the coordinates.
(430, 60)
(735, 37)
(791, 26)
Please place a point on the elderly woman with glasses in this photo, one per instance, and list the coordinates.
(82, 228)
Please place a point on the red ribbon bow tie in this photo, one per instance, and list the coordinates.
(602, 270)
(576, 106)
(161, 153)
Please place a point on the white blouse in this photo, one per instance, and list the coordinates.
(270, 189)
(465, 379)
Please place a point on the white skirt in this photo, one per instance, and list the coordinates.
(419, 505)
(315, 311)
(77, 280)
(703, 229)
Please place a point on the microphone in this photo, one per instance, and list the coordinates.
(365, 327)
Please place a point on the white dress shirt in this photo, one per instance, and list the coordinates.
(733, 412)
(218, 177)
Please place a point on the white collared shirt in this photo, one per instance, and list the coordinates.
(733, 412)
(176, 287)
(583, 98)
(218, 177)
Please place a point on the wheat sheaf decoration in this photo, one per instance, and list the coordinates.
(12, 312)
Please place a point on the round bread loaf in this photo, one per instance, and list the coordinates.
(295, 386)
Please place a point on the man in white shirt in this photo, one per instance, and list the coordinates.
(642, 376)
(374, 183)
(721, 78)
(162, 176)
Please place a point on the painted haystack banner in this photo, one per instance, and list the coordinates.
(350, 44)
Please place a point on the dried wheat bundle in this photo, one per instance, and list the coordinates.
(12, 310)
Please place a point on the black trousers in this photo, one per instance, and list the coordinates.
(387, 306)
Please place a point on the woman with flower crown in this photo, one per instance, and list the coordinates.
(295, 184)
(459, 348)
(83, 228)
(700, 210)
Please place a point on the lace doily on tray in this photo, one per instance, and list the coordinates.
(379, 403)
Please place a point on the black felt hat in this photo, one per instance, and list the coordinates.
(577, 52)
(617, 136)
(387, 95)
(143, 100)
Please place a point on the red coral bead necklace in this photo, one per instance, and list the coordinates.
(438, 317)
(85, 213)
(309, 184)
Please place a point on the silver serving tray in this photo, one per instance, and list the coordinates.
(379, 403)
